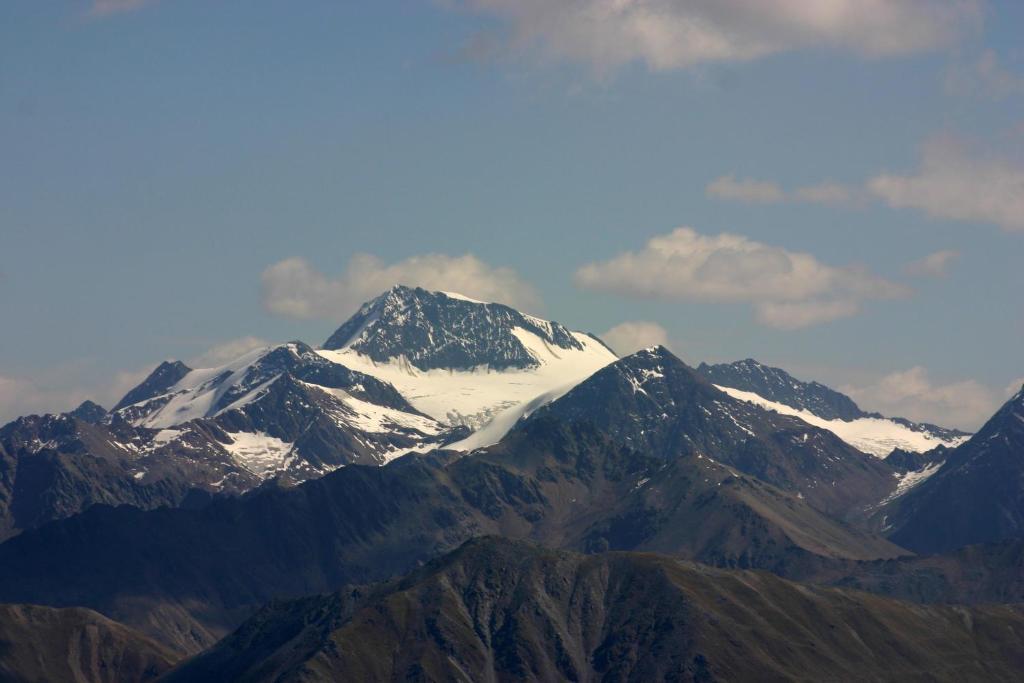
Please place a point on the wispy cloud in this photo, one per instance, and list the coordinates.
(953, 183)
(629, 337)
(913, 394)
(60, 389)
(674, 34)
(935, 264)
(744, 190)
(227, 351)
(787, 289)
(294, 288)
(984, 77)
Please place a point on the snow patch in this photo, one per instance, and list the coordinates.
(462, 297)
(910, 480)
(377, 419)
(876, 436)
(260, 453)
(483, 398)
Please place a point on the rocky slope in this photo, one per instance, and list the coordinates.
(75, 645)
(445, 330)
(977, 496)
(817, 404)
(500, 610)
(652, 401)
(55, 466)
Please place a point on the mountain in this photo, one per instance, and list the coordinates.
(814, 403)
(55, 466)
(90, 412)
(291, 413)
(502, 610)
(159, 382)
(654, 402)
(280, 412)
(572, 483)
(465, 362)
(75, 645)
(432, 330)
(778, 385)
(977, 574)
(976, 496)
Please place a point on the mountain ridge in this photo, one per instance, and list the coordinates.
(495, 609)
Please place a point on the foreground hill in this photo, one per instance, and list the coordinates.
(501, 610)
(75, 645)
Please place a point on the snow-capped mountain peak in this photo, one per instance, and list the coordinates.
(432, 330)
(462, 361)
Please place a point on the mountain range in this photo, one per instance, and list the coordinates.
(430, 419)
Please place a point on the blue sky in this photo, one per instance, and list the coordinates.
(179, 176)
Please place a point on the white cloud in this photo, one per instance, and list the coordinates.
(913, 394)
(787, 289)
(935, 264)
(225, 352)
(629, 337)
(985, 77)
(956, 185)
(673, 34)
(744, 190)
(293, 288)
(58, 390)
(792, 315)
(1013, 387)
(20, 396)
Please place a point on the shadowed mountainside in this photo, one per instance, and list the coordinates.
(502, 610)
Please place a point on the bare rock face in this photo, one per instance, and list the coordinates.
(977, 496)
(77, 646)
(438, 330)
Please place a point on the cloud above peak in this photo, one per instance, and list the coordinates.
(294, 288)
(674, 34)
(629, 337)
(787, 289)
(912, 393)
